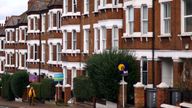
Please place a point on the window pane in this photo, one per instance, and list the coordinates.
(131, 27)
(188, 7)
(167, 25)
(144, 68)
(188, 24)
(145, 12)
(167, 10)
(145, 27)
(130, 13)
(144, 78)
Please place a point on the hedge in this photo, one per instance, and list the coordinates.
(6, 87)
(83, 88)
(47, 89)
(19, 81)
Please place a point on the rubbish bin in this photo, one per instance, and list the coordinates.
(151, 98)
(175, 96)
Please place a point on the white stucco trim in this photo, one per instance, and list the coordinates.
(70, 65)
(162, 1)
(110, 23)
(137, 3)
(86, 26)
(32, 42)
(71, 14)
(54, 41)
(174, 54)
(54, 11)
(9, 50)
(9, 29)
(110, 5)
(70, 28)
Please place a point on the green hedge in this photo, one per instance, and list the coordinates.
(83, 88)
(103, 71)
(6, 91)
(47, 89)
(19, 82)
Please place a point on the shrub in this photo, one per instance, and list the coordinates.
(83, 88)
(47, 88)
(6, 87)
(103, 72)
(37, 88)
(19, 82)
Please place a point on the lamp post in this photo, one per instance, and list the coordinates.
(153, 43)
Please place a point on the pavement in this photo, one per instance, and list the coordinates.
(13, 104)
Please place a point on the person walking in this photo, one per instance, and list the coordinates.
(31, 96)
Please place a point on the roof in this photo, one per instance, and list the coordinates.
(23, 18)
(2, 30)
(12, 21)
(38, 5)
(55, 3)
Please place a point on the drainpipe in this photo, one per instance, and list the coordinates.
(153, 43)
(39, 47)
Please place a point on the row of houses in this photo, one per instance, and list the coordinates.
(57, 36)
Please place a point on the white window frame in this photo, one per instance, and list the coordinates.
(73, 75)
(144, 20)
(130, 20)
(103, 3)
(65, 40)
(35, 52)
(141, 69)
(96, 39)
(58, 52)
(65, 76)
(58, 22)
(165, 19)
(86, 40)
(20, 34)
(16, 61)
(115, 37)
(96, 5)
(65, 6)
(43, 53)
(29, 51)
(115, 2)
(17, 34)
(74, 40)
(86, 6)
(51, 52)
(103, 39)
(74, 6)
(183, 16)
(25, 60)
(20, 60)
(43, 22)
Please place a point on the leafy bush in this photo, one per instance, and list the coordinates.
(19, 82)
(103, 72)
(6, 87)
(83, 88)
(37, 88)
(47, 88)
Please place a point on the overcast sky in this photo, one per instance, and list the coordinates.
(12, 7)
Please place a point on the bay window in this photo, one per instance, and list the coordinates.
(65, 40)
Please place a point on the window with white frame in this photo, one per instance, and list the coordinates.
(25, 34)
(58, 19)
(43, 53)
(25, 60)
(58, 52)
(29, 51)
(17, 35)
(51, 52)
(115, 2)
(74, 40)
(86, 40)
(165, 18)
(144, 70)
(65, 75)
(74, 6)
(65, 6)
(20, 60)
(130, 20)
(35, 56)
(96, 4)
(42, 22)
(104, 38)
(86, 6)
(74, 75)
(51, 20)
(187, 15)
(97, 39)
(144, 19)
(115, 37)
(103, 3)
(65, 40)
(36, 23)
(17, 59)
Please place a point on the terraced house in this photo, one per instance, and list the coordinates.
(57, 36)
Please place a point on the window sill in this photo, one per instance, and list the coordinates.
(186, 34)
(32, 60)
(54, 62)
(137, 35)
(69, 51)
(7, 65)
(110, 6)
(164, 35)
(71, 14)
